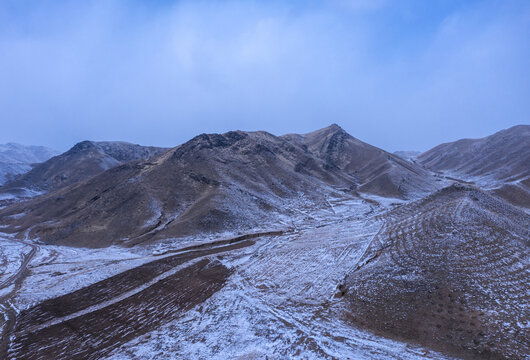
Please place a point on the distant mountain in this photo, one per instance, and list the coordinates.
(16, 159)
(503, 156)
(408, 155)
(215, 183)
(81, 162)
(498, 162)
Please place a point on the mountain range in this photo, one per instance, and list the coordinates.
(212, 183)
(252, 245)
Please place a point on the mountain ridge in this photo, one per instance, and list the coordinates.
(84, 160)
(215, 183)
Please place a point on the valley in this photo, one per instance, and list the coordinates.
(250, 246)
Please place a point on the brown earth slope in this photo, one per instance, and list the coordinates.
(498, 163)
(449, 272)
(504, 155)
(374, 170)
(212, 183)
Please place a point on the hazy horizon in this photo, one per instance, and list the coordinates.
(120, 140)
(400, 75)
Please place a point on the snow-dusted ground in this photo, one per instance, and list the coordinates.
(279, 301)
(486, 182)
(11, 256)
(57, 270)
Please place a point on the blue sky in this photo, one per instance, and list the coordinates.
(401, 75)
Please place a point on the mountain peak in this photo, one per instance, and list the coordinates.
(333, 128)
(83, 146)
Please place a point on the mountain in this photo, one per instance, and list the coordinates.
(373, 170)
(498, 162)
(215, 183)
(503, 156)
(16, 159)
(407, 155)
(84, 160)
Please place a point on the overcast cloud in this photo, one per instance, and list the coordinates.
(401, 75)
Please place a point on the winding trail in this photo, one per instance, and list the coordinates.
(9, 312)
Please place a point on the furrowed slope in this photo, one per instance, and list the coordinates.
(449, 272)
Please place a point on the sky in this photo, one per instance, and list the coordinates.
(398, 74)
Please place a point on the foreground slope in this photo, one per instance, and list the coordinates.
(449, 272)
(212, 183)
(81, 162)
(16, 159)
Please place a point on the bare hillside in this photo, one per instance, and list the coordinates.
(373, 170)
(214, 183)
(502, 156)
(448, 272)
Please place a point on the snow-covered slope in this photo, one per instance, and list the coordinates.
(16, 159)
(83, 161)
(409, 155)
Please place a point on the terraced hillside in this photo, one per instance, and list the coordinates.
(449, 272)
(90, 322)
